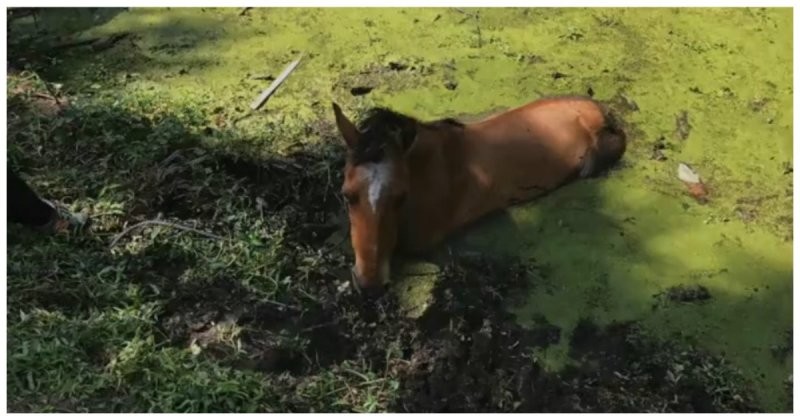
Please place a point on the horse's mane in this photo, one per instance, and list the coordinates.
(381, 127)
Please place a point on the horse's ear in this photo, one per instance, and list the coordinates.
(410, 136)
(346, 127)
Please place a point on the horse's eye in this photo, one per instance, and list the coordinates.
(400, 200)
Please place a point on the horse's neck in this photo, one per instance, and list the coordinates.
(472, 192)
(444, 184)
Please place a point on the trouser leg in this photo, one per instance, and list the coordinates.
(24, 205)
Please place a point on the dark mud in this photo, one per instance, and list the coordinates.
(466, 354)
(479, 360)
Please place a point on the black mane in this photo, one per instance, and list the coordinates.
(382, 128)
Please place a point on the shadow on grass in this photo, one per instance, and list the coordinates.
(57, 42)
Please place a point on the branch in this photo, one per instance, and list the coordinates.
(97, 44)
(321, 325)
(282, 305)
(274, 86)
(162, 223)
(109, 42)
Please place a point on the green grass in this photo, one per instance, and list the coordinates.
(158, 127)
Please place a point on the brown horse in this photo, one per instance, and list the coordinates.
(409, 183)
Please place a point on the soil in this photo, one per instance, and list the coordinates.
(466, 354)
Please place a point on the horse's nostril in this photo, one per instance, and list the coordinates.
(366, 290)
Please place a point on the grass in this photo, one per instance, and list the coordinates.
(87, 327)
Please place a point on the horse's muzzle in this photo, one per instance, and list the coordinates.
(371, 292)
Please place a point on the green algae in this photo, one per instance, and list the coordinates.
(609, 244)
(413, 285)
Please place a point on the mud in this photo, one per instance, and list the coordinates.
(466, 354)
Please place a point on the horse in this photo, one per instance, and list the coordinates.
(408, 184)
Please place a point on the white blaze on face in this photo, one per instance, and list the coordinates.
(377, 176)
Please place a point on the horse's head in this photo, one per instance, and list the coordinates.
(376, 184)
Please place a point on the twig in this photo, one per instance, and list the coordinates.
(319, 226)
(244, 10)
(477, 17)
(243, 117)
(107, 213)
(75, 43)
(322, 325)
(263, 77)
(172, 156)
(282, 305)
(162, 223)
(45, 96)
(109, 42)
(274, 86)
(478, 29)
(97, 44)
(359, 374)
(53, 93)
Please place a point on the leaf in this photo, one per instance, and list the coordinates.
(687, 174)
(195, 349)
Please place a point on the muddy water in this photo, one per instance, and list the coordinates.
(708, 87)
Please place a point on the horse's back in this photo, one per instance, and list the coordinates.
(584, 124)
(567, 111)
(547, 142)
(556, 130)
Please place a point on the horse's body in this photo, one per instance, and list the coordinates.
(450, 174)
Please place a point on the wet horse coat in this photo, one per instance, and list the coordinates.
(409, 183)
